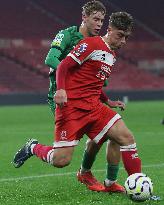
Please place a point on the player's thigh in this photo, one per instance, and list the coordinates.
(120, 133)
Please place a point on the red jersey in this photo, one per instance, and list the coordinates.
(84, 82)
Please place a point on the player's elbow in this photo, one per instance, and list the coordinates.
(52, 61)
(49, 61)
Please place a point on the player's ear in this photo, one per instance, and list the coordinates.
(84, 17)
(109, 30)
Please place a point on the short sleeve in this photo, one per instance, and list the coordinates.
(82, 51)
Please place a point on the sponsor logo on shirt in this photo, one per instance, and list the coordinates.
(103, 56)
(58, 39)
(104, 72)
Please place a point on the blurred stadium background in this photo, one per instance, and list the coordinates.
(29, 26)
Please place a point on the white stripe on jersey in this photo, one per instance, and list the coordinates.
(74, 58)
(102, 56)
(97, 55)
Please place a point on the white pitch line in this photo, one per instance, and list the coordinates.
(67, 173)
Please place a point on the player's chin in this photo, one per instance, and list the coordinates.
(118, 47)
(96, 32)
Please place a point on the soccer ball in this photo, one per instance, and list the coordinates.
(139, 187)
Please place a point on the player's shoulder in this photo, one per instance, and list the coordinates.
(94, 41)
(93, 38)
(64, 35)
(70, 30)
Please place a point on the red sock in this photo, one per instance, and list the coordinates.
(43, 152)
(132, 162)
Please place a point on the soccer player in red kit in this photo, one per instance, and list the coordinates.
(80, 77)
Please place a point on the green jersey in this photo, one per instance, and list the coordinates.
(63, 43)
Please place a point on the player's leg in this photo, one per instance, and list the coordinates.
(122, 135)
(52, 89)
(89, 155)
(84, 175)
(58, 157)
(93, 147)
(113, 160)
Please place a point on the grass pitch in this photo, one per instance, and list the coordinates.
(37, 183)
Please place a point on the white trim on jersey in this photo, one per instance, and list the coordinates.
(102, 56)
(74, 58)
(65, 143)
(97, 55)
(106, 128)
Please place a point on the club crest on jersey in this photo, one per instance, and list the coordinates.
(63, 134)
(58, 39)
(82, 47)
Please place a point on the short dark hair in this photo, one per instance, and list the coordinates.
(122, 21)
(92, 6)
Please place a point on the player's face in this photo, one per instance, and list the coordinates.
(93, 23)
(118, 38)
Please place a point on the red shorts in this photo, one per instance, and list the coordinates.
(72, 123)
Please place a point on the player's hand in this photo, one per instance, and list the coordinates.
(115, 104)
(60, 97)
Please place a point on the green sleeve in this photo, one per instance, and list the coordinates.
(52, 59)
(58, 47)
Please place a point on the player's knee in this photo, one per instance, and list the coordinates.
(127, 138)
(61, 162)
(92, 147)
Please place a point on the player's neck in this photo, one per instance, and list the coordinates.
(106, 39)
(83, 31)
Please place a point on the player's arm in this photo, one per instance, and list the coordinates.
(61, 73)
(76, 57)
(58, 45)
(111, 103)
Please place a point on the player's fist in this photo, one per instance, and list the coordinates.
(60, 97)
(115, 104)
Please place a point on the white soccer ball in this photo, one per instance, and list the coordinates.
(139, 187)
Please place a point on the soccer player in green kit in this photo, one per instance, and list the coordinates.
(93, 15)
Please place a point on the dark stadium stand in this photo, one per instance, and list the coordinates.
(148, 12)
(127, 76)
(22, 63)
(17, 78)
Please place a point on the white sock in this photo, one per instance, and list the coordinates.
(32, 148)
(108, 182)
(83, 170)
